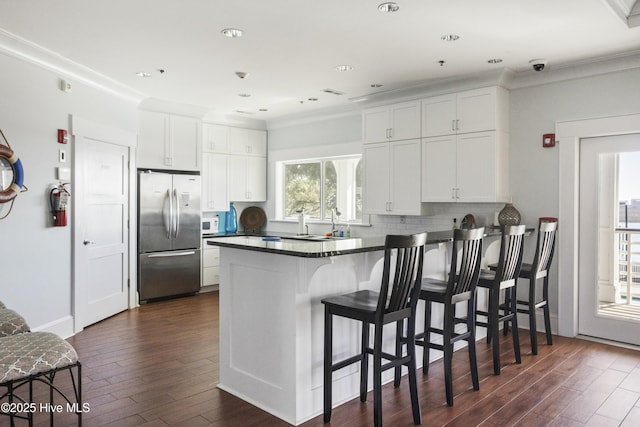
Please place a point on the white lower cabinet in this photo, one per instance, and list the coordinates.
(392, 178)
(465, 168)
(210, 264)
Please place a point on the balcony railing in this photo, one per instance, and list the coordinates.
(629, 264)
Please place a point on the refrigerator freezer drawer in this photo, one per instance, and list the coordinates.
(165, 274)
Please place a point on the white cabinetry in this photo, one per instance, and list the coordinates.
(247, 163)
(464, 112)
(392, 178)
(215, 146)
(215, 196)
(168, 141)
(247, 179)
(210, 264)
(465, 168)
(249, 142)
(234, 166)
(215, 138)
(391, 122)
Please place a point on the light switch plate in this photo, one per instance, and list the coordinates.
(64, 174)
(62, 156)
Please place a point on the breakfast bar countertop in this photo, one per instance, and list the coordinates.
(294, 246)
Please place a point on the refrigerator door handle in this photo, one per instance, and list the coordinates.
(176, 228)
(171, 254)
(167, 213)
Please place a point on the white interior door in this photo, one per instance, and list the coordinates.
(102, 261)
(599, 270)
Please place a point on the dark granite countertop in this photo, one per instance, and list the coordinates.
(284, 244)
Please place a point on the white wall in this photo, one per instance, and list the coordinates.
(35, 258)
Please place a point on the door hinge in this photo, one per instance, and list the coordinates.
(128, 283)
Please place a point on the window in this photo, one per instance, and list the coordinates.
(319, 185)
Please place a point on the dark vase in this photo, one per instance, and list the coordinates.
(509, 215)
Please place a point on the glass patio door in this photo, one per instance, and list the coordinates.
(609, 267)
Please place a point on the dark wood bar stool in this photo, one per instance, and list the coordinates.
(396, 302)
(459, 288)
(539, 269)
(503, 279)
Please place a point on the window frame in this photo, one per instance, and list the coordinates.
(281, 191)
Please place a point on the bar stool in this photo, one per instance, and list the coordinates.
(504, 278)
(396, 302)
(539, 269)
(460, 287)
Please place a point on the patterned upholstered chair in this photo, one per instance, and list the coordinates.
(12, 323)
(35, 357)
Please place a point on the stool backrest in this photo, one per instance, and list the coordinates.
(544, 248)
(463, 281)
(511, 249)
(401, 287)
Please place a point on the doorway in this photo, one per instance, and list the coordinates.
(609, 230)
(570, 134)
(102, 227)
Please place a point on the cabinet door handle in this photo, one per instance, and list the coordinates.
(458, 124)
(457, 193)
(390, 133)
(453, 125)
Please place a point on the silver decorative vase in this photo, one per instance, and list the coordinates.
(509, 215)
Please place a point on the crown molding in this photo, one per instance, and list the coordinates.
(22, 49)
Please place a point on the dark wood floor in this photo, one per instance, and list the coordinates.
(158, 366)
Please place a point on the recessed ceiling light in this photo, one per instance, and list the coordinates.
(232, 32)
(450, 37)
(344, 68)
(143, 74)
(388, 7)
(376, 85)
(244, 95)
(494, 61)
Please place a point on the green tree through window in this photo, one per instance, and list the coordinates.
(319, 185)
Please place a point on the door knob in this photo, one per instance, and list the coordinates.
(88, 242)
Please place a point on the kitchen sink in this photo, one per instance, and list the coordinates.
(312, 237)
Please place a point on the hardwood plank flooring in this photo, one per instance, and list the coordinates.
(157, 365)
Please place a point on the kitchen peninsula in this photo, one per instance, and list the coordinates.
(272, 320)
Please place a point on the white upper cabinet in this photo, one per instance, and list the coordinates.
(234, 166)
(215, 196)
(391, 122)
(215, 138)
(392, 178)
(168, 141)
(247, 178)
(465, 112)
(250, 142)
(469, 168)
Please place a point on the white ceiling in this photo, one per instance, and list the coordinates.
(290, 48)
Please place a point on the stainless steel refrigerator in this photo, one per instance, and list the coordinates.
(169, 234)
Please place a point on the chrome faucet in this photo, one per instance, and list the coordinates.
(335, 214)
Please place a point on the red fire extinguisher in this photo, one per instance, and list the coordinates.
(59, 199)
